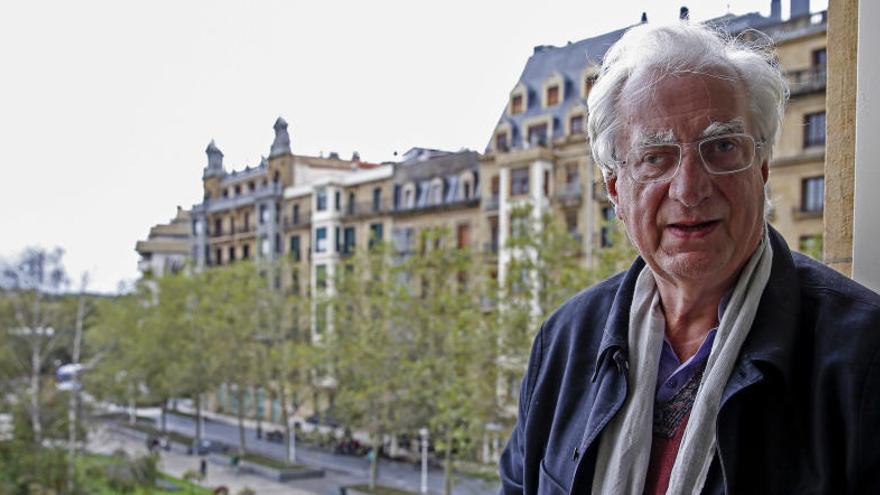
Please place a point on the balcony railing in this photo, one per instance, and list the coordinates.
(807, 80)
(365, 208)
(569, 192)
(473, 201)
(246, 198)
(599, 191)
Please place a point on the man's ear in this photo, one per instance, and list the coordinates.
(611, 187)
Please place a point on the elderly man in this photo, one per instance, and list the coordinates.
(720, 362)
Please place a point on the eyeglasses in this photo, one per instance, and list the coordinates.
(721, 155)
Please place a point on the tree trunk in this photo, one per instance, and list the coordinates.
(447, 466)
(239, 393)
(289, 457)
(374, 460)
(36, 364)
(198, 419)
(164, 416)
(72, 404)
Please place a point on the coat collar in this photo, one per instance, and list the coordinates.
(771, 339)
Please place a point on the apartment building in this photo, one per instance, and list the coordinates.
(167, 247)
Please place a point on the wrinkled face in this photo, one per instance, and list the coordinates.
(695, 227)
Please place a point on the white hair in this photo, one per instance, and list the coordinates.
(682, 48)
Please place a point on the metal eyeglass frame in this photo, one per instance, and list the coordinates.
(756, 144)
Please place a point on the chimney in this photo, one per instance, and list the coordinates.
(645, 17)
(799, 8)
(685, 14)
(776, 10)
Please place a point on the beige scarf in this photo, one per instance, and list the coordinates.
(625, 445)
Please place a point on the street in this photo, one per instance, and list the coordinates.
(341, 469)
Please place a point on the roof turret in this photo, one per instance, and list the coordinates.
(281, 144)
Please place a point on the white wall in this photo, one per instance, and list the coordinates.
(866, 224)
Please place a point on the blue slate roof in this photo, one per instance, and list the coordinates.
(570, 61)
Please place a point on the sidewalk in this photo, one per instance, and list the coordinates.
(105, 441)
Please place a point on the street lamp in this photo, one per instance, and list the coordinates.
(423, 432)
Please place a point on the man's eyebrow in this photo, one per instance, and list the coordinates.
(653, 137)
(735, 126)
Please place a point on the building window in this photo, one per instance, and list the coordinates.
(813, 194)
(321, 277)
(463, 236)
(501, 142)
(547, 183)
(814, 129)
(375, 234)
(321, 200)
(238, 190)
(608, 217)
(348, 245)
(576, 124)
(338, 239)
(537, 134)
(264, 214)
(251, 186)
(265, 246)
(588, 85)
(295, 214)
(218, 256)
(350, 210)
(294, 247)
(278, 247)
(246, 251)
(377, 199)
(247, 222)
(519, 181)
(516, 104)
(321, 240)
(337, 203)
(552, 95)
(231, 253)
(820, 57)
(218, 226)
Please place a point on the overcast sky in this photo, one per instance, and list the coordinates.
(106, 107)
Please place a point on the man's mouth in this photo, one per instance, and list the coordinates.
(693, 229)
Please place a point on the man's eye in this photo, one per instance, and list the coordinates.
(656, 159)
(725, 146)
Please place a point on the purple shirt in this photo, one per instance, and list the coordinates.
(672, 374)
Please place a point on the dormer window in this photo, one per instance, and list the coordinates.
(501, 142)
(516, 104)
(552, 95)
(588, 84)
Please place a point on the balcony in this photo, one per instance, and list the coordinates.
(491, 203)
(365, 209)
(799, 213)
(247, 198)
(450, 205)
(599, 191)
(806, 81)
(569, 193)
(302, 223)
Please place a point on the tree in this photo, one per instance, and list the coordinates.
(33, 286)
(452, 346)
(364, 349)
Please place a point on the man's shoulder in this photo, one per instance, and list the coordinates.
(585, 310)
(820, 282)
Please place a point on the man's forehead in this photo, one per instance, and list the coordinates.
(642, 134)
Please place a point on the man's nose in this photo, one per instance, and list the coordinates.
(692, 183)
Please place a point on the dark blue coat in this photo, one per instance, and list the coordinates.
(800, 413)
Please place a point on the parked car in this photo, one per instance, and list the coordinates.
(206, 447)
(276, 436)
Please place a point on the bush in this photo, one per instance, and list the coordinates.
(246, 491)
